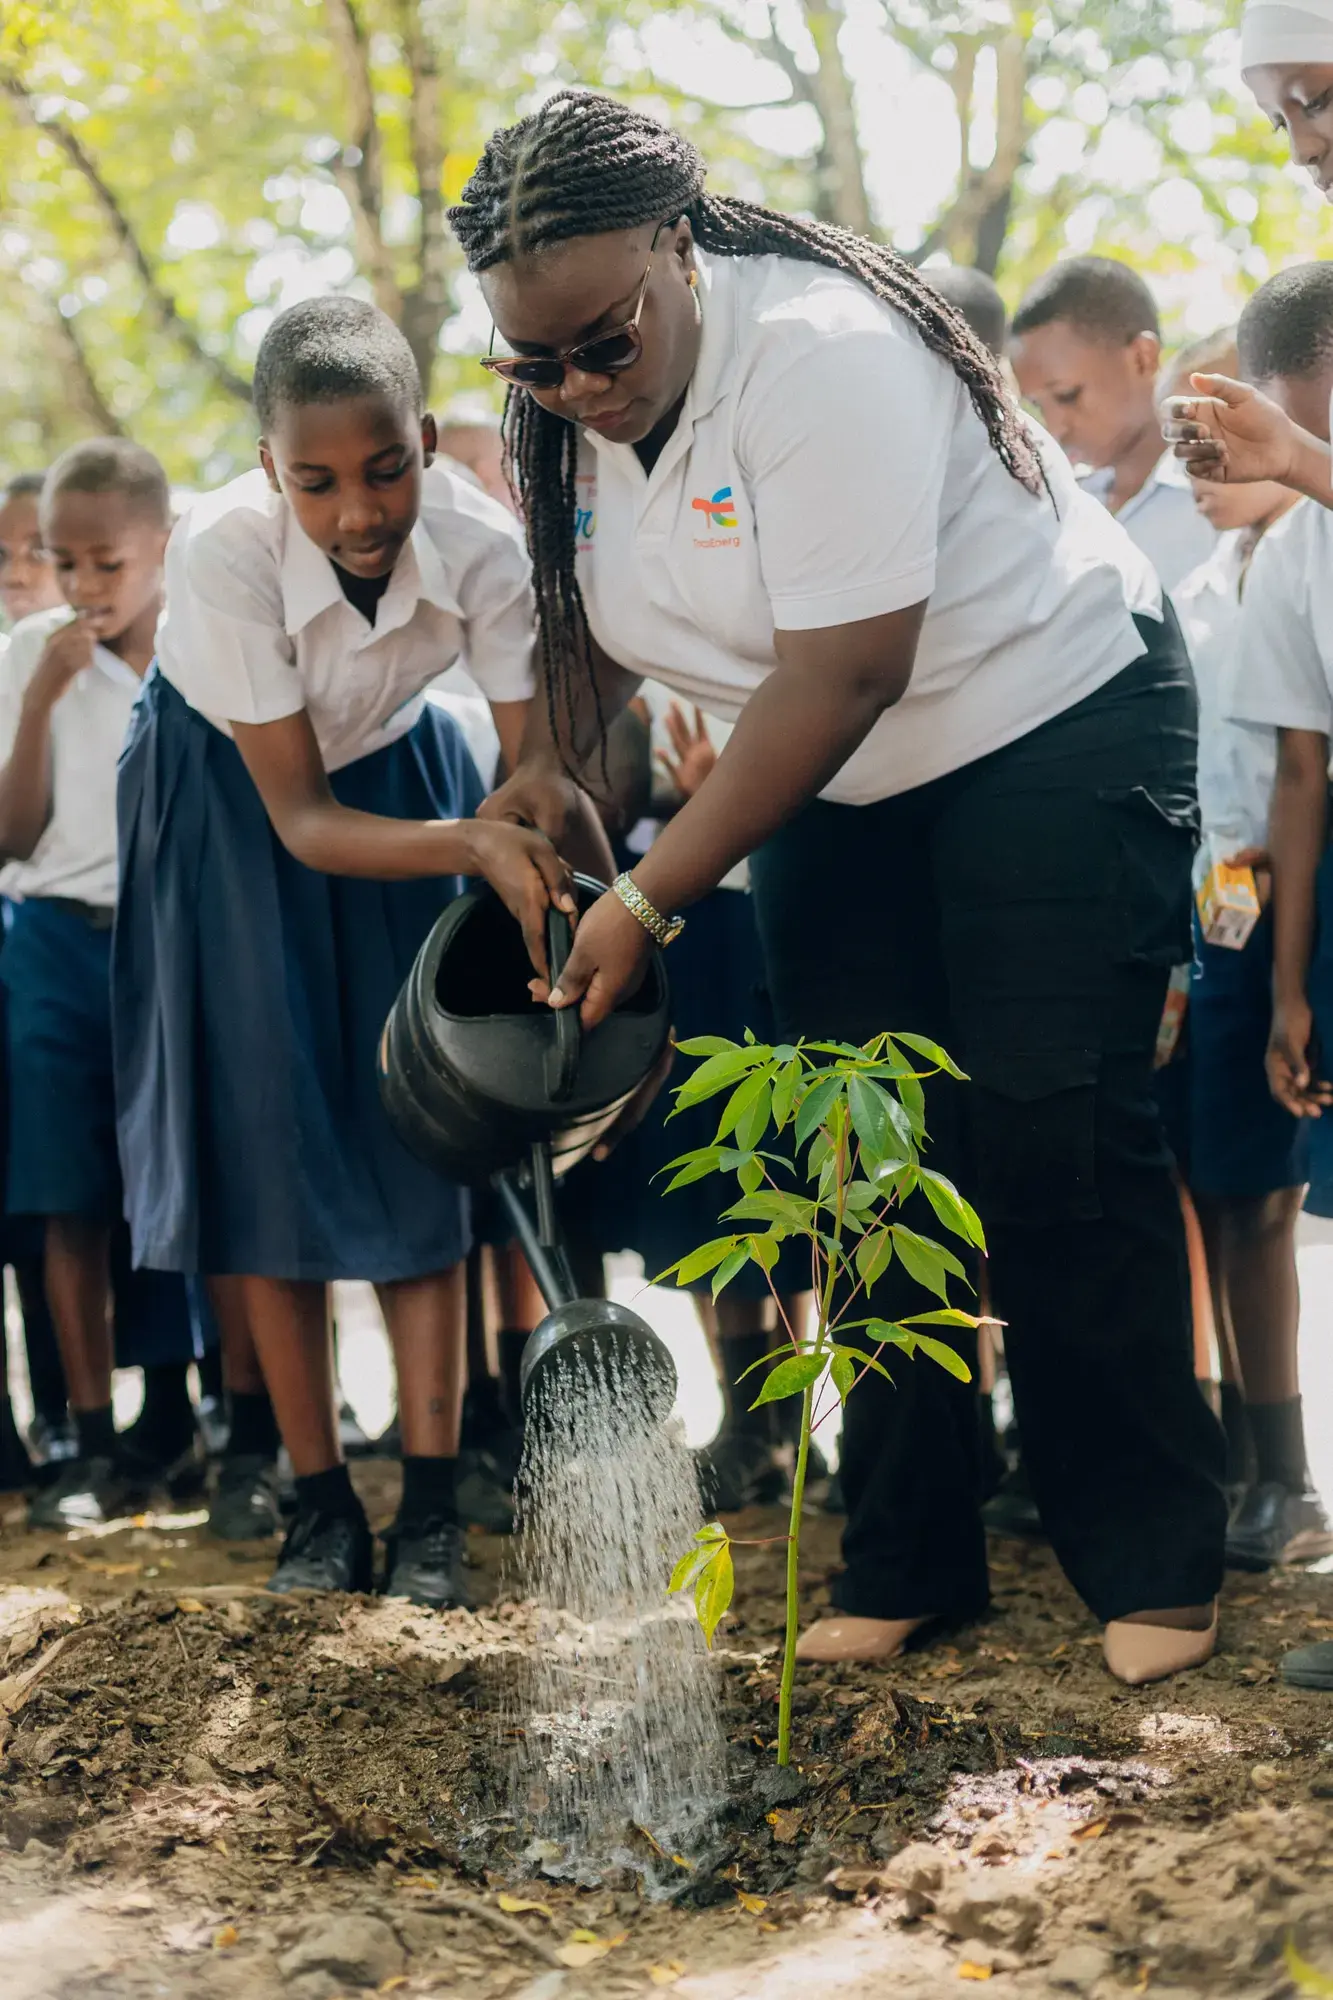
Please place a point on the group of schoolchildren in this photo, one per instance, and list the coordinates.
(228, 815)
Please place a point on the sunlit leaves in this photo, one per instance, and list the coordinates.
(791, 1377)
(707, 1570)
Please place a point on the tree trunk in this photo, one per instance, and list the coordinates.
(839, 162)
(426, 306)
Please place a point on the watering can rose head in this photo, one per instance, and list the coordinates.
(847, 1126)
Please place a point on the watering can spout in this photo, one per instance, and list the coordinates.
(607, 1343)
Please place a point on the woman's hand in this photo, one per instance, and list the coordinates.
(608, 961)
(692, 755)
(526, 873)
(1229, 433)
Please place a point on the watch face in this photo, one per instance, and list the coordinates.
(673, 930)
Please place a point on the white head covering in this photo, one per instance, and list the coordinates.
(1271, 32)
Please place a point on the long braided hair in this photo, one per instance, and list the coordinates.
(586, 164)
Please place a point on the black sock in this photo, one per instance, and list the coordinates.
(165, 1424)
(330, 1493)
(428, 1492)
(740, 1351)
(97, 1432)
(512, 1340)
(46, 1375)
(253, 1428)
(1236, 1426)
(1279, 1443)
(484, 1414)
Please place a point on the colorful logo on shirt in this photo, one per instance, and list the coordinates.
(719, 510)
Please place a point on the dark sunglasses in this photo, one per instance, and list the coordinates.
(609, 353)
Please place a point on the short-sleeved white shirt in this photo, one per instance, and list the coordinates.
(76, 855)
(1237, 760)
(828, 468)
(1161, 519)
(256, 625)
(1283, 667)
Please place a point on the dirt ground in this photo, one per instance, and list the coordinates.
(208, 1792)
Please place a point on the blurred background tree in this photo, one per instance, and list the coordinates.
(175, 171)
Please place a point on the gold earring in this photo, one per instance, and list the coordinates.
(694, 287)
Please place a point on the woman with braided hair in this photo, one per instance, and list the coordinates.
(760, 460)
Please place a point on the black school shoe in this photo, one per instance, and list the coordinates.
(1310, 1666)
(485, 1496)
(247, 1504)
(424, 1564)
(52, 1442)
(90, 1492)
(325, 1552)
(1273, 1525)
(739, 1469)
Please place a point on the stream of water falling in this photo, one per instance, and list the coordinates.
(622, 1726)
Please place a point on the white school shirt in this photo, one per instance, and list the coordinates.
(1283, 667)
(1161, 519)
(76, 855)
(256, 626)
(827, 468)
(1237, 760)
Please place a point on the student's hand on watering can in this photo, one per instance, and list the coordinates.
(542, 794)
(610, 956)
(1229, 433)
(526, 873)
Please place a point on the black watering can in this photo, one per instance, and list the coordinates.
(487, 1085)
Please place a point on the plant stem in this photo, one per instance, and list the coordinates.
(793, 1576)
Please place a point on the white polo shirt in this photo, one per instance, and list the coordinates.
(1237, 760)
(828, 468)
(256, 625)
(76, 855)
(1283, 670)
(1161, 519)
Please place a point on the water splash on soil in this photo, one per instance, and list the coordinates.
(624, 1756)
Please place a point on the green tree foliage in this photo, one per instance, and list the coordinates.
(173, 171)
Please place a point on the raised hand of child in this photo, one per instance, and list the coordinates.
(65, 655)
(1229, 433)
(692, 755)
(526, 873)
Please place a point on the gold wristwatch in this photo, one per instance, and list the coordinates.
(664, 930)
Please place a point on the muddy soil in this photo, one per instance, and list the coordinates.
(205, 1791)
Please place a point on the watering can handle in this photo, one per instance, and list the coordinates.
(563, 1062)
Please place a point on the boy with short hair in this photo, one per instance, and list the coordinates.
(977, 297)
(1086, 348)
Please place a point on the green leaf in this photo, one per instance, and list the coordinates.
(873, 1256)
(753, 1121)
(750, 1174)
(888, 1333)
(701, 1260)
(815, 1106)
(768, 1205)
(926, 1261)
(843, 1370)
(862, 1195)
(940, 1351)
(698, 1166)
(920, 1045)
(946, 1316)
(766, 1249)
(785, 1086)
(707, 1045)
(715, 1075)
(869, 1106)
(913, 1100)
(729, 1267)
(790, 1378)
(1308, 1977)
(714, 1589)
(859, 1358)
(952, 1209)
(744, 1095)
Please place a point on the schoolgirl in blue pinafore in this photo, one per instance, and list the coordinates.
(250, 991)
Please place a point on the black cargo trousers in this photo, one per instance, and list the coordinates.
(1024, 912)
